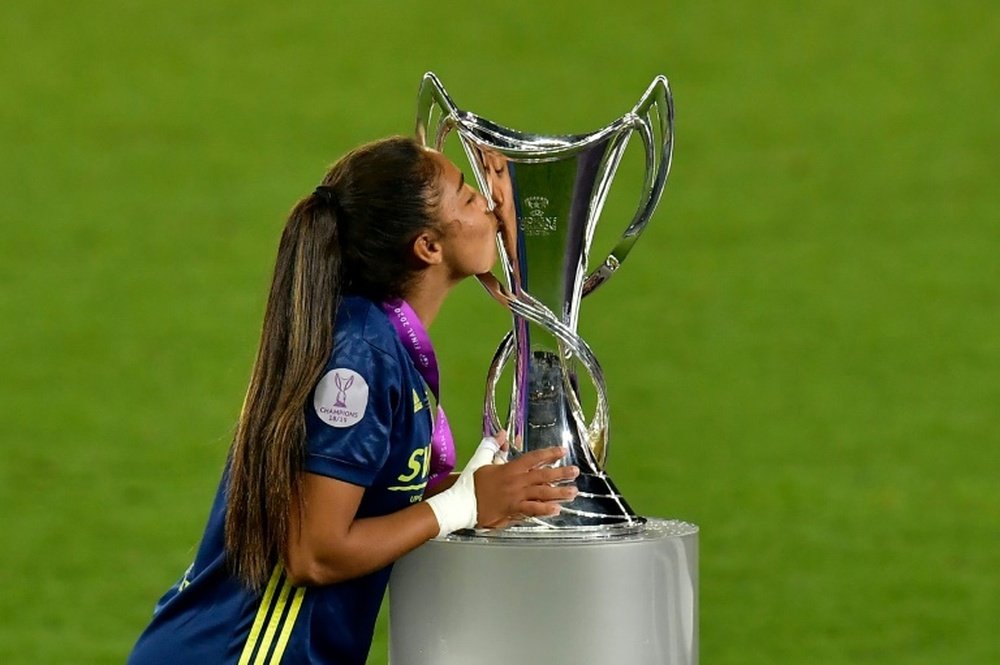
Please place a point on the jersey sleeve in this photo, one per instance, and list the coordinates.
(350, 412)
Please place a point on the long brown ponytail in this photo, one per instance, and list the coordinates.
(353, 236)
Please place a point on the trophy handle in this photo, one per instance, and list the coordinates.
(433, 129)
(653, 119)
(430, 98)
(491, 418)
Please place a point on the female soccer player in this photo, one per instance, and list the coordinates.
(326, 483)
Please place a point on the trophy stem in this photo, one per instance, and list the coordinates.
(545, 412)
(550, 419)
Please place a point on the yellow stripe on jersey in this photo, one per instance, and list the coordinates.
(272, 625)
(417, 402)
(286, 630)
(258, 646)
(258, 621)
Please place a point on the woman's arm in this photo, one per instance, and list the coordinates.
(327, 544)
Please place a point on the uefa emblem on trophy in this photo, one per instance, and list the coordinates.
(548, 192)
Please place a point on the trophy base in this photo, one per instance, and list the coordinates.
(630, 600)
(532, 528)
(598, 511)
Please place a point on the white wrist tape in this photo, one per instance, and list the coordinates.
(456, 508)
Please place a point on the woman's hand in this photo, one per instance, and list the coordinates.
(523, 488)
(491, 494)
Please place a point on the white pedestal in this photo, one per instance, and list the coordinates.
(479, 601)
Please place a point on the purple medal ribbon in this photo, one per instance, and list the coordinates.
(418, 345)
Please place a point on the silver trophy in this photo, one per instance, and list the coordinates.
(548, 192)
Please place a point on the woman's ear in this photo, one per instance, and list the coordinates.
(427, 248)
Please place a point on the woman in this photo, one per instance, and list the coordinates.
(326, 481)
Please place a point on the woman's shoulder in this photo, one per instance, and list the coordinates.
(363, 326)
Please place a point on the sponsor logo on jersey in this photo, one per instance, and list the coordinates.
(415, 478)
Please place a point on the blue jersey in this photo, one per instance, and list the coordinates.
(367, 423)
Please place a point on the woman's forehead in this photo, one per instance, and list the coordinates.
(449, 172)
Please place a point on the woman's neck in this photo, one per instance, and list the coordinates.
(426, 295)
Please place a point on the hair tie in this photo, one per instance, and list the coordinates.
(326, 194)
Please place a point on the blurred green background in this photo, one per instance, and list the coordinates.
(802, 352)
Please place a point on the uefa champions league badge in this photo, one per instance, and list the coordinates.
(341, 398)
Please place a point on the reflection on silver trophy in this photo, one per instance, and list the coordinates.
(548, 192)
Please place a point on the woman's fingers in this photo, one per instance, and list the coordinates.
(539, 508)
(549, 493)
(537, 458)
(552, 475)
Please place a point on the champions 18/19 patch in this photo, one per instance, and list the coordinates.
(341, 397)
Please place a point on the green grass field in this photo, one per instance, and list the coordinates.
(802, 352)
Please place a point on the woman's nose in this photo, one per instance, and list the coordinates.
(487, 204)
